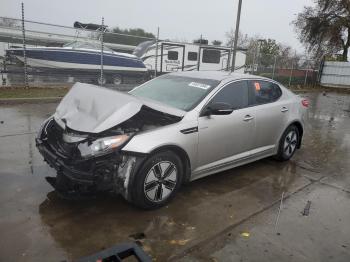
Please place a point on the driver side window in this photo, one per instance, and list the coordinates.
(234, 94)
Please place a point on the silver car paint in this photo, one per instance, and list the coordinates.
(210, 150)
(93, 109)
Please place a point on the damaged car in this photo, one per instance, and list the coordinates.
(166, 132)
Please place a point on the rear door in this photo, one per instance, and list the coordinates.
(271, 113)
(224, 136)
(172, 57)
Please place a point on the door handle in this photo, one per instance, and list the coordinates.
(248, 118)
(284, 109)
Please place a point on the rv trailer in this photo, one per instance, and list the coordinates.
(173, 56)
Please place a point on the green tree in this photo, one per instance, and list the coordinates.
(216, 42)
(269, 49)
(325, 28)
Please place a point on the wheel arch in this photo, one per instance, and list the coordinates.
(183, 156)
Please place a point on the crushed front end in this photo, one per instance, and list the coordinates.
(84, 139)
(86, 163)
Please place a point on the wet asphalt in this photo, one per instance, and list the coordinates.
(230, 216)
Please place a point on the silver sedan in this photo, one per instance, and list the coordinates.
(171, 130)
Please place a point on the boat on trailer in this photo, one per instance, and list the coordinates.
(83, 57)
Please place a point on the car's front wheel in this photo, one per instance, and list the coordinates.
(157, 181)
(288, 143)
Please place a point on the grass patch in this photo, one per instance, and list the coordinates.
(31, 92)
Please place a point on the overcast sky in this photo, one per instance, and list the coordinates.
(179, 19)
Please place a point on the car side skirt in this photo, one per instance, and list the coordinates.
(235, 161)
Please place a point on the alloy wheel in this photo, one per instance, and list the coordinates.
(160, 181)
(290, 143)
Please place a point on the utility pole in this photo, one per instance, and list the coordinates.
(236, 35)
(156, 61)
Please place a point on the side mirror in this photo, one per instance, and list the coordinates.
(217, 109)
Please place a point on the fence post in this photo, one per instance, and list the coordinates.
(291, 73)
(274, 68)
(199, 53)
(24, 50)
(253, 64)
(156, 61)
(307, 71)
(102, 35)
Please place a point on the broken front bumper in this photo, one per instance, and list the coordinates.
(112, 172)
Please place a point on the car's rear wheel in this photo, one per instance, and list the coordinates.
(157, 181)
(288, 143)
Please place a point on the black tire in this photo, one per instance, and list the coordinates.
(288, 143)
(102, 81)
(117, 80)
(154, 193)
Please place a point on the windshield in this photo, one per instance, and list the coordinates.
(85, 45)
(177, 91)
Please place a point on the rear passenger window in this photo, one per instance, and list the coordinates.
(235, 94)
(192, 56)
(173, 55)
(211, 56)
(263, 92)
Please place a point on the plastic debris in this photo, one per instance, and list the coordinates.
(245, 234)
(306, 210)
(180, 242)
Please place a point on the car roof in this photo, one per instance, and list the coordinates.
(216, 75)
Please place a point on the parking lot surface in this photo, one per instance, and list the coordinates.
(235, 215)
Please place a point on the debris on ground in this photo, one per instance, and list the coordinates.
(180, 242)
(306, 210)
(279, 210)
(245, 234)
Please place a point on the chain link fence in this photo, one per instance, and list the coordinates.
(294, 71)
(36, 54)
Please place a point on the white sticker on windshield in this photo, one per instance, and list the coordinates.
(199, 85)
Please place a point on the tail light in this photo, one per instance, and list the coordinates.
(305, 102)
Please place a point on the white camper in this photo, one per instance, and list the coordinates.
(173, 56)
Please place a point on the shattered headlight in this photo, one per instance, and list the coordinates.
(102, 145)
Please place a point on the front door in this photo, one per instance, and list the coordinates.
(222, 137)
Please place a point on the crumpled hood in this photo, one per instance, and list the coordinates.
(93, 109)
